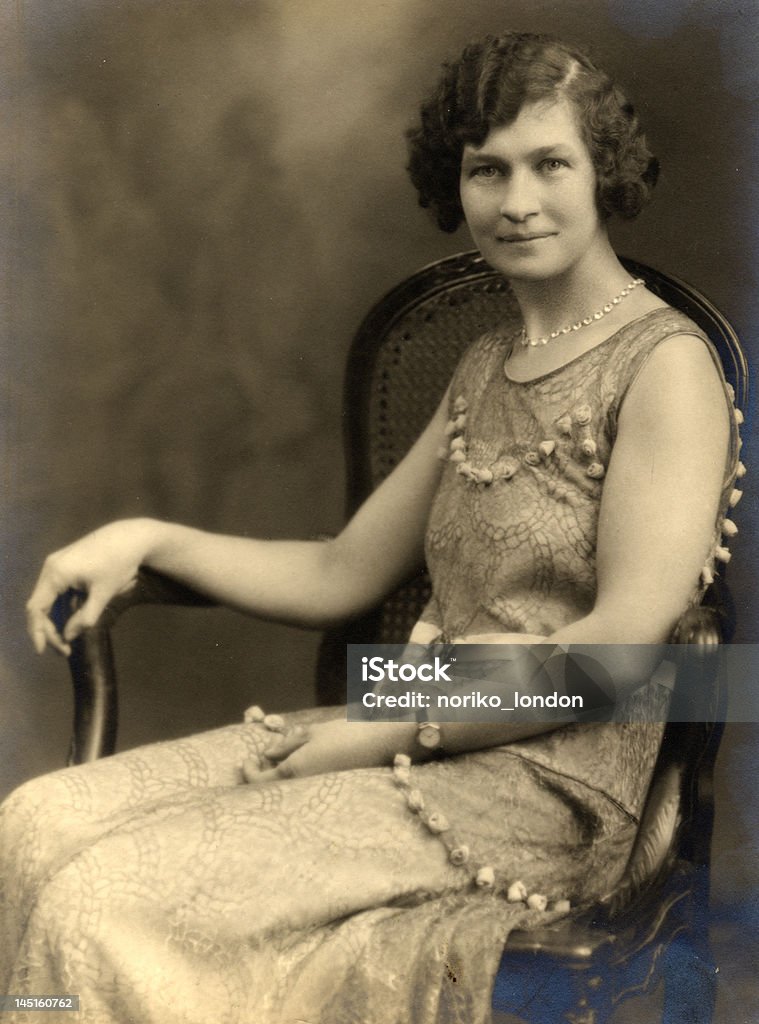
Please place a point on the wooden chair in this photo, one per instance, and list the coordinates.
(655, 925)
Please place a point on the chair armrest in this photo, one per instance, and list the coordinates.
(702, 625)
(91, 663)
(150, 587)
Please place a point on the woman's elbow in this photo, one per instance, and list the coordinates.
(348, 584)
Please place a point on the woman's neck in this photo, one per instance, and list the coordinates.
(550, 304)
(564, 300)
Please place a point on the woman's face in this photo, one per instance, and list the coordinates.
(529, 194)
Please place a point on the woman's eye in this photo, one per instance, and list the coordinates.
(553, 164)
(485, 171)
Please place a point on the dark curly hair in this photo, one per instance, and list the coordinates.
(487, 88)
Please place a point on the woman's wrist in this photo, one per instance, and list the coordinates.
(160, 541)
(399, 738)
(126, 541)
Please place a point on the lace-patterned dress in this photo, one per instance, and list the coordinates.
(161, 890)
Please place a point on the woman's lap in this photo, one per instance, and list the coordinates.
(73, 805)
(160, 863)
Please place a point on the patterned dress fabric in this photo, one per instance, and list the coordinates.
(162, 890)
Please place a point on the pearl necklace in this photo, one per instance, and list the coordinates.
(585, 322)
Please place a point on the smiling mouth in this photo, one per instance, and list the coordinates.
(526, 238)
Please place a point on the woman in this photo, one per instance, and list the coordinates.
(587, 465)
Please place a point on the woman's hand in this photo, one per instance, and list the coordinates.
(103, 564)
(332, 747)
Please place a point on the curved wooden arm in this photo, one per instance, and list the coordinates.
(91, 663)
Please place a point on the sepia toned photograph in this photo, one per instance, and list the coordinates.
(407, 326)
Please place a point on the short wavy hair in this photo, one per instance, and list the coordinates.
(487, 87)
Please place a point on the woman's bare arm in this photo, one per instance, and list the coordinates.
(309, 583)
(660, 500)
(656, 528)
(656, 525)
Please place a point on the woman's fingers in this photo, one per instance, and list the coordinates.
(38, 623)
(257, 777)
(279, 749)
(286, 743)
(254, 776)
(41, 628)
(86, 616)
(101, 565)
(44, 633)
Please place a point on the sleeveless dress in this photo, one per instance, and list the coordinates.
(161, 890)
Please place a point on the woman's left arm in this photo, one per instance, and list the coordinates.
(656, 528)
(660, 499)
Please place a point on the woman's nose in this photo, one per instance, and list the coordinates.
(519, 199)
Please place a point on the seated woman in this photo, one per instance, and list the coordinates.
(570, 488)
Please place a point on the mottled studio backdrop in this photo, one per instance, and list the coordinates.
(199, 202)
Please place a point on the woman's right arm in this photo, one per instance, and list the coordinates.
(308, 583)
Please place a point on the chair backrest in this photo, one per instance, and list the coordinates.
(400, 363)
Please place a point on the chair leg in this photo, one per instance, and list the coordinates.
(541, 993)
(690, 986)
(582, 1016)
(592, 1002)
